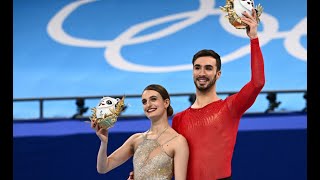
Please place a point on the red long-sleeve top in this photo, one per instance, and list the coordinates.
(211, 131)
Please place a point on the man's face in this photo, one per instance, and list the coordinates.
(205, 73)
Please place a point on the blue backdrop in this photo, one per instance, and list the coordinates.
(112, 47)
(272, 146)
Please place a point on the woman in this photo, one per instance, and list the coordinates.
(158, 153)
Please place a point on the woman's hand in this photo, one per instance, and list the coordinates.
(100, 132)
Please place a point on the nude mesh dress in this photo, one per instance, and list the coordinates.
(151, 162)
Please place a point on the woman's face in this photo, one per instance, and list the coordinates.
(153, 104)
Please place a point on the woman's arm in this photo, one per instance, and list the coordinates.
(181, 157)
(122, 154)
(106, 163)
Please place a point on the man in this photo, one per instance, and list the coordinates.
(210, 125)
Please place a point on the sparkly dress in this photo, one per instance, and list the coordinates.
(151, 162)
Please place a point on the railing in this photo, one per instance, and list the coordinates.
(272, 104)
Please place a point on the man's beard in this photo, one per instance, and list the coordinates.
(208, 87)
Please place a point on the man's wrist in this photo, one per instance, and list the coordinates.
(253, 40)
(254, 37)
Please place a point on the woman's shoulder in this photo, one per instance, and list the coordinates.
(180, 143)
(179, 138)
(137, 135)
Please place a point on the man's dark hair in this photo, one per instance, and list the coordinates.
(208, 52)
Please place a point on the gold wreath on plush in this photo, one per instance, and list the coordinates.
(106, 113)
(235, 8)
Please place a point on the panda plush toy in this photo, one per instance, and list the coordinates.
(106, 113)
(235, 8)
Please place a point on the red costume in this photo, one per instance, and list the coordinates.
(211, 131)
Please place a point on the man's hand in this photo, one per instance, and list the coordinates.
(130, 176)
(251, 21)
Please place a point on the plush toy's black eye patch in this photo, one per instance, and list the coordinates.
(109, 102)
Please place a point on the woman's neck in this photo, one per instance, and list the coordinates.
(159, 126)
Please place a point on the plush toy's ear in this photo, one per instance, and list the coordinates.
(117, 99)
